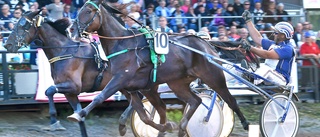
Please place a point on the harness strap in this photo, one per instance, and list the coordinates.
(58, 58)
(117, 53)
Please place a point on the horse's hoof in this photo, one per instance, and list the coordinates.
(55, 127)
(182, 133)
(75, 117)
(171, 125)
(183, 124)
(122, 130)
(161, 134)
(245, 125)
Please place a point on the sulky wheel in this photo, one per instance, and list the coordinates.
(270, 123)
(139, 128)
(197, 127)
(228, 119)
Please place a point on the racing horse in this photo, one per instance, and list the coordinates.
(132, 70)
(73, 65)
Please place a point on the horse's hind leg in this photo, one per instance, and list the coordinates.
(125, 115)
(154, 98)
(218, 84)
(54, 123)
(182, 90)
(76, 106)
(138, 106)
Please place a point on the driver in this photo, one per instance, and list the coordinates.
(279, 53)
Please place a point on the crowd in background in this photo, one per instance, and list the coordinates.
(305, 40)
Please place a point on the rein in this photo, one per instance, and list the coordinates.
(64, 57)
(118, 38)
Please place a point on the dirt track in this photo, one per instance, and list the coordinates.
(105, 123)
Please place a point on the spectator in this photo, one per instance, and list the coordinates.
(309, 49)
(66, 12)
(134, 11)
(131, 24)
(36, 5)
(246, 6)
(307, 28)
(204, 35)
(213, 3)
(5, 16)
(24, 4)
(191, 32)
(17, 13)
(163, 25)
(271, 11)
(55, 10)
(238, 7)
(224, 6)
(2, 2)
(215, 7)
(217, 21)
(182, 30)
(197, 5)
(180, 21)
(244, 34)
(67, 2)
(281, 11)
(32, 8)
(192, 23)
(77, 4)
(186, 6)
(318, 39)
(223, 37)
(204, 29)
(203, 13)
(258, 20)
(297, 36)
(171, 7)
(1, 43)
(162, 10)
(233, 33)
(231, 21)
(149, 14)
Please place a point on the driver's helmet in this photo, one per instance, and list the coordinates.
(204, 35)
(285, 28)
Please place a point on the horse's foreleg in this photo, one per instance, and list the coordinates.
(182, 90)
(54, 123)
(76, 106)
(113, 86)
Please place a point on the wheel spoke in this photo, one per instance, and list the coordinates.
(275, 130)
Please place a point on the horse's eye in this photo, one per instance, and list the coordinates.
(88, 11)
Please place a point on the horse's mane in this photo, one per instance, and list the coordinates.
(60, 25)
(113, 11)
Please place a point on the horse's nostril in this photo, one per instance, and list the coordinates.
(71, 30)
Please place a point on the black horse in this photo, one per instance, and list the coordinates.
(132, 69)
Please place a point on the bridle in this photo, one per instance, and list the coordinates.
(81, 30)
(26, 24)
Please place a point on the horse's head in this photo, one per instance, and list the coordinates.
(24, 32)
(89, 19)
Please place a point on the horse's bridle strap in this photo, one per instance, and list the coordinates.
(58, 58)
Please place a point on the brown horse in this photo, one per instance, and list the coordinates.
(71, 75)
(132, 69)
